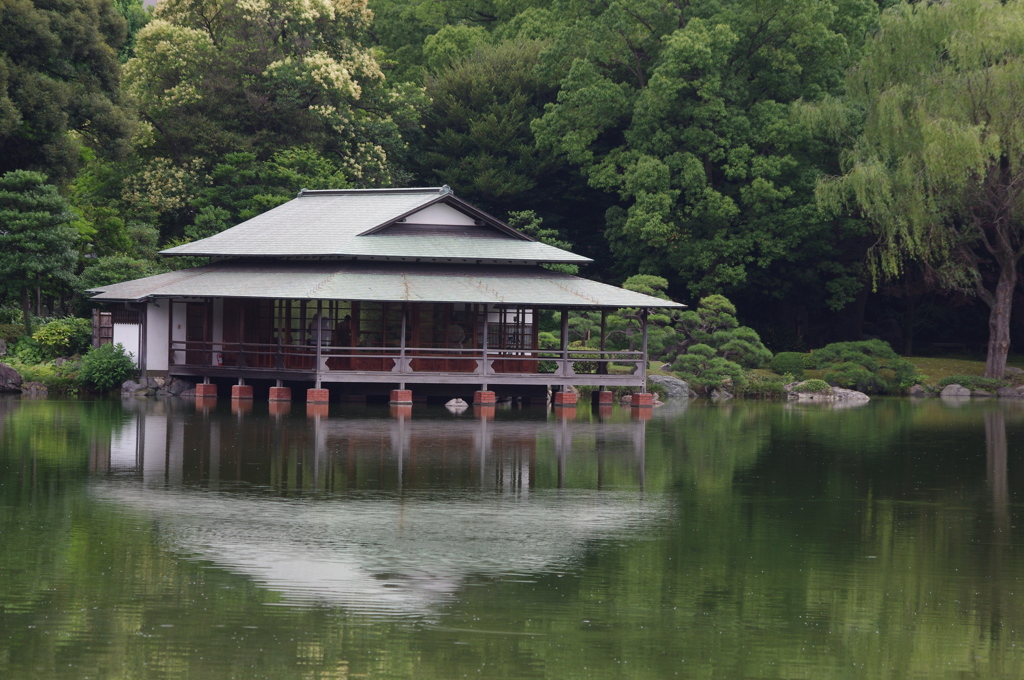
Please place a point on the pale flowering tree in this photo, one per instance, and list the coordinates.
(211, 77)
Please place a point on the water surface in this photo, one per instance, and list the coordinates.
(152, 539)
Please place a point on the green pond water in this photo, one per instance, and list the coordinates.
(152, 539)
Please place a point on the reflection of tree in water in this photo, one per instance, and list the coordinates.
(42, 440)
(710, 444)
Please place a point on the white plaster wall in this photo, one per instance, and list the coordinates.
(158, 318)
(127, 334)
(440, 214)
(178, 318)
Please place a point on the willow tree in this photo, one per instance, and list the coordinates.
(939, 165)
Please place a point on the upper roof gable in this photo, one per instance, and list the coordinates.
(423, 224)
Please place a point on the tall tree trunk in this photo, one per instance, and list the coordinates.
(999, 323)
(26, 310)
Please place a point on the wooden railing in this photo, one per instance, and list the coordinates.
(397, 361)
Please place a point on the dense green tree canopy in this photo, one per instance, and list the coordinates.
(218, 76)
(59, 84)
(683, 112)
(477, 127)
(36, 241)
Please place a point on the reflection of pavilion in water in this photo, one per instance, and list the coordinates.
(162, 446)
(383, 515)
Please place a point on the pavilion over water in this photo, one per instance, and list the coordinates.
(366, 291)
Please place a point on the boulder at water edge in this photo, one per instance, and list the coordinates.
(34, 389)
(955, 390)
(10, 379)
(836, 394)
(674, 387)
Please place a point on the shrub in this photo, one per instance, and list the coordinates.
(107, 366)
(704, 369)
(789, 362)
(10, 332)
(974, 382)
(65, 378)
(27, 351)
(868, 366)
(814, 385)
(762, 387)
(64, 337)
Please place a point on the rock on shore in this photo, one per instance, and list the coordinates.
(832, 394)
(10, 379)
(674, 387)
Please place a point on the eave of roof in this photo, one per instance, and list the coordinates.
(365, 281)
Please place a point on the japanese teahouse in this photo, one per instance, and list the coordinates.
(359, 293)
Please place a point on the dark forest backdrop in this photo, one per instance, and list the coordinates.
(840, 169)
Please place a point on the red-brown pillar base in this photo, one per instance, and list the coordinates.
(317, 395)
(241, 391)
(281, 394)
(485, 398)
(565, 398)
(317, 408)
(642, 400)
(279, 407)
(401, 397)
(602, 398)
(206, 390)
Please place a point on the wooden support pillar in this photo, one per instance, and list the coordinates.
(317, 335)
(603, 367)
(643, 318)
(565, 345)
(483, 366)
(401, 353)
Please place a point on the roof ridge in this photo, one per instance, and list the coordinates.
(445, 189)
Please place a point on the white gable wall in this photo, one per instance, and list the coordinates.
(439, 213)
